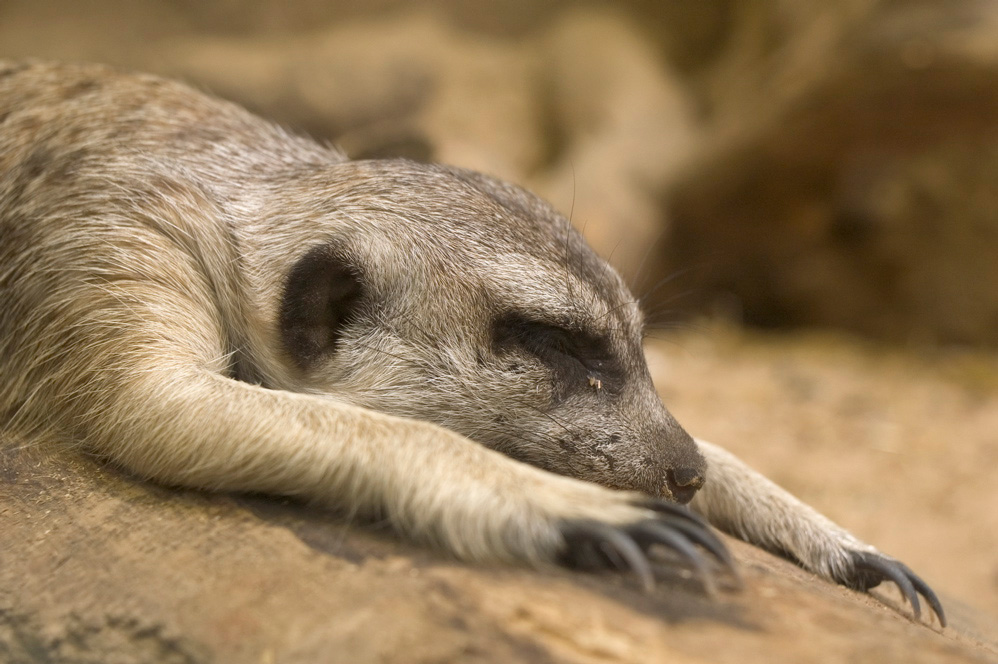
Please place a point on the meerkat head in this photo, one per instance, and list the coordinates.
(448, 296)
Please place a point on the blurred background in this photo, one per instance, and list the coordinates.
(780, 165)
(779, 162)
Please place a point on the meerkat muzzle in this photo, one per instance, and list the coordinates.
(681, 484)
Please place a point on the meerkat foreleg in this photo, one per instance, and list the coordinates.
(430, 483)
(744, 503)
(157, 403)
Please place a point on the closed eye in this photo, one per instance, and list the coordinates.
(571, 354)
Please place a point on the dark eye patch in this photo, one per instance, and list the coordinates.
(572, 356)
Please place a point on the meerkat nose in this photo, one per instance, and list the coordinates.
(682, 483)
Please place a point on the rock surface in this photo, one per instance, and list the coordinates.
(100, 568)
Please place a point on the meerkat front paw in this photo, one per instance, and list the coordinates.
(591, 544)
(868, 569)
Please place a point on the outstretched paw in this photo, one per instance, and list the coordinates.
(869, 569)
(593, 544)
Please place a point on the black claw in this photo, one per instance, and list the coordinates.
(709, 541)
(591, 544)
(929, 595)
(884, 567)
(650, 532)
(869, 569)
(615, 544)
(693, 526)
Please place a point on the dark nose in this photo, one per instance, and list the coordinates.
(682, 483)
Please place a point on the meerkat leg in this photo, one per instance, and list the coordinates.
(742, 502)
(152, 397)
(432, 484)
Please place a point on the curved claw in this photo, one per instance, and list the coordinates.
(626, 545)
(709, 541)
(872, 568)
(694, 527)
(650, 532)
(929, 595)
(614, 543)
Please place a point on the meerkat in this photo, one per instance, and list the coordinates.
(207, 300)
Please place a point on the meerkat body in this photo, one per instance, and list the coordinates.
(210, 301)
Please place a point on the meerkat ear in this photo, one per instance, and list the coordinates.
(321, 294)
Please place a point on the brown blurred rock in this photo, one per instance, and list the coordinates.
(897, 446)
(404, 80)
(854, 178)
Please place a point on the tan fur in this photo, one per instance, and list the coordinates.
(213, 302)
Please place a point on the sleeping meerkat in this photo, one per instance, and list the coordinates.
(207, 300)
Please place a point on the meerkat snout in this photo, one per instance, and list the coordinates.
(685, 467)
(682, 483)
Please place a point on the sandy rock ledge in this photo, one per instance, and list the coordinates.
(99, 567)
